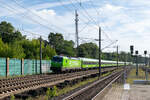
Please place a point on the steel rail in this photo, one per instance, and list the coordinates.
(83, 92)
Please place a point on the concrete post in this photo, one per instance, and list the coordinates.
(22, 66)
(7, 67)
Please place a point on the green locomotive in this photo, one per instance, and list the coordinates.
(61, 63)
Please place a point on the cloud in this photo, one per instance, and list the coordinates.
(112, 7)
(56, 4)
(126, 21)
(45, 13)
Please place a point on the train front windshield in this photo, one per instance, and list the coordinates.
(57, 59)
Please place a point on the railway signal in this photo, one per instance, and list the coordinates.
(136, 52)
(131, 49)
(145, 52)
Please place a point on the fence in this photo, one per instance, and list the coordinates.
(13, 67)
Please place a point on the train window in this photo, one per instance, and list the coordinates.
(54, 59)
(60, 60)
(57, 59)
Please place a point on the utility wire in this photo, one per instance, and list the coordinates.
(92, 18)
(24, 15)
(34, 33)
(109, 45)
(83, 20)
(19, 29)
(98, 13)
(16, 2)
(86, 25)
(87, 13)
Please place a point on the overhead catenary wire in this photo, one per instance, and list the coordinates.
(87, 16)
(81, 6)
(33, 33)
(81, 19)
(55, 31)
(13, 10)
(109, 45)
(96, 23)
(76, 8)
(16, 2)
(87, 24)
(98, 14)
(33, 20)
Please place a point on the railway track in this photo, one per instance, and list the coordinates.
(87, 93)
(21, 84)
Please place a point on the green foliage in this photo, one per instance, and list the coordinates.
(67, 48)
(12, 97)
(16, 51)
(48, 94)
(56, 41)
(48, 52)
(62, 47)
(89, 50)
(54, 91)
(32, 49)
(11, 50)
(14, 45)
(3, 49)
(8, 33)
(51, 92)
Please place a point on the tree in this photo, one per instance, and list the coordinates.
(12, 50)
(56, 41)
(4, 49)
(68, 48)
(16, 50)
(32, 49)
(89, 50)
(62, 47)
(8, 33)
(48, 52)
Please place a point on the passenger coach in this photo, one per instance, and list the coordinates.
(62, 63)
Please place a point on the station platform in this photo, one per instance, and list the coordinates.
(136, 92)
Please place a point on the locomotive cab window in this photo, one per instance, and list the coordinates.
(57, 59)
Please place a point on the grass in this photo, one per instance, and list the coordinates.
(14, 76)
(69, 88)
(132, 75)
(58, 92)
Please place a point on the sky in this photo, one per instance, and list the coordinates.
(124, 21)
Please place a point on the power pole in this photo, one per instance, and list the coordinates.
(117, 57)
(99, 51)
(149, 60)
(76, 24)
(40, 55)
